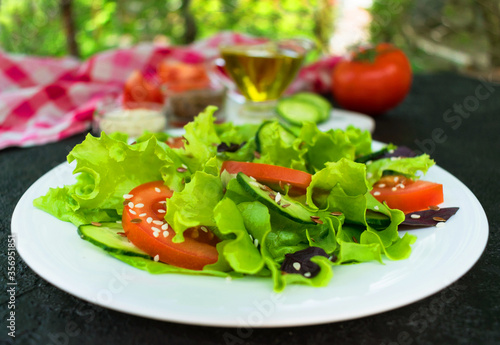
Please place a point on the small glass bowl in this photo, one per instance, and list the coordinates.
(133, 119)
(182, 107)
(188, 88)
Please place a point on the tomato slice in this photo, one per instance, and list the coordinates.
(272, 175)
(408, 195)
(144, 225)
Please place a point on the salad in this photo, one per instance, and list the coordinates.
(267, 200)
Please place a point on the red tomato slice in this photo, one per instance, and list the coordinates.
(144, 225)
(408, 195)
(271, 175)
(138, 90)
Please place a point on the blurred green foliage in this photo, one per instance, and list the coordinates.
(36, 26)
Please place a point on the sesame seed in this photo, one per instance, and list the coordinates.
(415, 216)
(133, 212)
(157, 190)
(277, 198)
(296, 265)
(156, 258)
(131, 204)
(434, 208)
(228, 279)
(184, 166)
(440, 225)
(256, 154)
(118, 222)
(164, 226)
(376, 207)
(307, 274)
(149, 220)
(157, 222)
(161, 210)
(369, 162)
(204, 229)
(402, 186)
(96, 224)
(376, 193)
(127, 196)
(381, 185)
(180, 169)
(165, 233)
(252, 178)
(156, 233)
(394, 189)
(139, 205)
(336, 213)
(396, 179)
(143, 214)
(369, 175)
(285, 205)
(439, 219)
(255, 184)
(155, 229)
(162, 202)
(256, 242)
(136, 220)
(391, 151)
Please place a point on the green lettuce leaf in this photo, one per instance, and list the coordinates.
(106, 169)
(410, 167)
(194, 205)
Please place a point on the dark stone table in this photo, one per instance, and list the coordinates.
(455, 119)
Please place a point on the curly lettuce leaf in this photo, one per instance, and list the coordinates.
(194, 205)
(333, 145)
(410, 167)
(279, 147)
(106, 169)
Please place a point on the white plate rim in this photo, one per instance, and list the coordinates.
(296, 306)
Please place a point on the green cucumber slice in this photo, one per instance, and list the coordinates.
(318, 101)
(106, 237)
(283, 205)
(297, 111)
(377, 220)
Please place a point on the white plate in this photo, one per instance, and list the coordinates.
(440, 256)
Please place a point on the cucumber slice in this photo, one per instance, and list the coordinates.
(318, 101)
(106, 237)
(269, 128)
(377, 220)
(297, 111)
(283, 205)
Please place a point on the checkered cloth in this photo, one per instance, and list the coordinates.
(44, 100)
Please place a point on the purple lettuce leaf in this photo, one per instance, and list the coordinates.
(429, 217)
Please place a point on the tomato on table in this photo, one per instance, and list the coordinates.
(144, 225)
(275, 176)
(138, 90)
(373, 81)
(407, 195)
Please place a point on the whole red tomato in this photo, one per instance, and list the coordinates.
(373, 81)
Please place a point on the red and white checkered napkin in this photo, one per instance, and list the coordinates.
(47, 99)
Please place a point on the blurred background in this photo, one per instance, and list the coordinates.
(458, 35)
